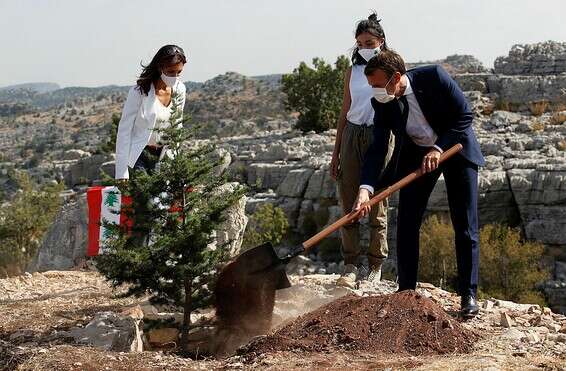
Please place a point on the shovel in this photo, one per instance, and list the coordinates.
(245, 289)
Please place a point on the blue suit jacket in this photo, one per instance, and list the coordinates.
(445, 108)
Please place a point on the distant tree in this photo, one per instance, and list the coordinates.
(112, 129)
(24, 221)
(316, 93)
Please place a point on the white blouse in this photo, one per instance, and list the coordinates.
(163, 114)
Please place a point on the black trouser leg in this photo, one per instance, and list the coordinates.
(461, 178)
(412, 205)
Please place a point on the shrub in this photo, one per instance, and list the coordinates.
(437, 253)
(24, 221)
(267, 224)
(509, 267)
(316, 93)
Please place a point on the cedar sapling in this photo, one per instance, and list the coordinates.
(168, 249)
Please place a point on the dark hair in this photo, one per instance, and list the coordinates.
(167, 55)
(373, 27)
(388, 61)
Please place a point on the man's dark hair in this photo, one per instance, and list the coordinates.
(388, 61)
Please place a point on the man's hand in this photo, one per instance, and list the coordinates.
(361, 202)
(431, 161)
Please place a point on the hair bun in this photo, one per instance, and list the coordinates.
(373, 17)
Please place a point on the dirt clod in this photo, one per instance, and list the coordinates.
(400, 323)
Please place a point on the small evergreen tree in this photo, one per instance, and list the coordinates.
(316, 93)
(179, 206)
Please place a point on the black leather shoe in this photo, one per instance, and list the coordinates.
(469, 306)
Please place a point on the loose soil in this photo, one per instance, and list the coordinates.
(399, 323)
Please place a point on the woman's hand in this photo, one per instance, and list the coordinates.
(431, 161)
(334, 165)
(362, 202)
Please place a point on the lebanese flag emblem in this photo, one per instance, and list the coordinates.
(104, 204)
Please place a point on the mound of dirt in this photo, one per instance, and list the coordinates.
(400, 323)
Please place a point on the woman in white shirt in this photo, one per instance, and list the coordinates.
(148, 107)
(353, 136)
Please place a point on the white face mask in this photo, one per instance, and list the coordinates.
(170, 81)
(381, 95)
(368, 54)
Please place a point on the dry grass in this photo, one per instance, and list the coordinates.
(538, 126)
(538, 108)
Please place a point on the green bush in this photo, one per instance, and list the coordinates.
(24, 221)
(316, 93)
(510, 268)
(267, 224)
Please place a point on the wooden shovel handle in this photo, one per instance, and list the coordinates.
(374, 200)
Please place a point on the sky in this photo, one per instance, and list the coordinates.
(102, 42)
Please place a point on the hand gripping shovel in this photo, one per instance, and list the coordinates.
(245, 290)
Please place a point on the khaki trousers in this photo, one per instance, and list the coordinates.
(355, 141)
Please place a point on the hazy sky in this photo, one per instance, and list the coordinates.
(99, 42)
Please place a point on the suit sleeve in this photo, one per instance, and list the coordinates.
(124, 135)
(376, 153)
(458, 106)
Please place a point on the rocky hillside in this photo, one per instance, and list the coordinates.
(45, 130)
(520, 123)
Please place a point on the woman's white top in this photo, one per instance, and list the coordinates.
(361, 112)
(139, 117)
(162, 116)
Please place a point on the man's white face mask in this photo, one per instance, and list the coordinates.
(381, 95)
(368, 54)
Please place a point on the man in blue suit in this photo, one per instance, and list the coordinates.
(427, 112)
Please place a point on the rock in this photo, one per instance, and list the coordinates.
(136, 312)
(85, 171)
(266, 175)
(75, 154)
(553, 327)
(295, 183)
(558, 338)
(65, 242)
(161, 337)
(506, 321)
(545, 58)
(532, 337)
(110, 331)
(546, 310)
(231, 230)
(513, 334)
(512, 306)
(487, 305)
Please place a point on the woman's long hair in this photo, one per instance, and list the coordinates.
(165, 56)
(372, 26)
